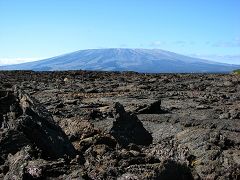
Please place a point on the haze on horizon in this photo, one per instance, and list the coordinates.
(33, 30)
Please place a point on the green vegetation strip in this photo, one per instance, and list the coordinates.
(237, 71)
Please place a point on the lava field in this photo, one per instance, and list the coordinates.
(119, 125)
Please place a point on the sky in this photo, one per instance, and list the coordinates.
(32, 30)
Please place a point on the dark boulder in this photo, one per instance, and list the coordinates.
(128, 128)
(153, 108)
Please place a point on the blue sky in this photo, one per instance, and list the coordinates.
(31, 30)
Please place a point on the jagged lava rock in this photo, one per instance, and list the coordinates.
(128, 128)
(24, 121)
(153, 108)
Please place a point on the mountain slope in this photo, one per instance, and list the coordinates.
(140, 60)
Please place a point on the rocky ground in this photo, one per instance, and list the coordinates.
(98, 125)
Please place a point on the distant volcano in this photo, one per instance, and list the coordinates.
(139, 60)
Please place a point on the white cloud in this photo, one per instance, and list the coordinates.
(180, 43)
(232, 43)
(8, 61)
(157, 43)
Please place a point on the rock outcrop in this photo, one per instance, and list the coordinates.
(26, 122)
(128, 128)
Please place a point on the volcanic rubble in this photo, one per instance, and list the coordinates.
(111, 125)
